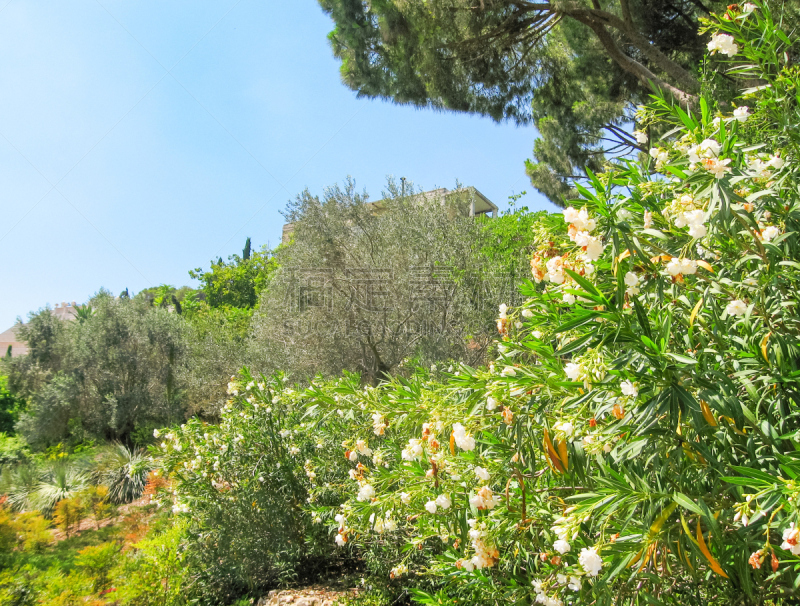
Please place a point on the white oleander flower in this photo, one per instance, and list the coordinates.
(443, 501)
(413, 451)
(594, 249)
(430, 506)
(491, 403)
(678, 266)
(566, 427)
(660, 155)
(527, 313)
(629, 389)
(791, 539)
(590, 561)
(770, 233)
(641, 138)
(716, 167)
(697, 230)
(710, 148)
(366, 493)
(736, 308)
(574, 583)
(561, 546)
(482, 474)
(741, 113)
(776, 162)
(509, 371)
(405, 498)
(631, 280)
(573, 371)
(462, 440)
(724, 44)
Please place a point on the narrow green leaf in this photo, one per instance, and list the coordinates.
(685, 502)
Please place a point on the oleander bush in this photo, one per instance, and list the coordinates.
(635, 440)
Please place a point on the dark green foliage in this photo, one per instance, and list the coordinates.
(10, 407)
(574, 71)
(246, 251)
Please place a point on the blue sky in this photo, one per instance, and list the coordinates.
(139, 140)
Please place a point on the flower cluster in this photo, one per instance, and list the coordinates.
(462, 439)
(686, 211)
(723, 43)
(579, 231)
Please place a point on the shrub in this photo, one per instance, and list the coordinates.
(155, 571)
(33, 531)
(97, 561)
(241, 485)
(18, 587)
(13, 450)
(8, 532)
(68, 514)
(95, 501)
(102, 375)
(10, 407)
(364, 286)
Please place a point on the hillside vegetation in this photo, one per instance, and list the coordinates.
(621, 427)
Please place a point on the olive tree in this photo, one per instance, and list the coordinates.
(104, 376)
(366, 286)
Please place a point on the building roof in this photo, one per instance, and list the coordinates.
(64, 311)
(479, 204)
(9, 337)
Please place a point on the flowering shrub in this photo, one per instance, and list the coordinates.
(635, 438)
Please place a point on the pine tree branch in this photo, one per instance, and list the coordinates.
(626, 12)
(603, 18)
(597, 20)
(630, 65)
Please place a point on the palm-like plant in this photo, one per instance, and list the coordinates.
(84, 313)
(124, 471)
(60, 480)
(19, 483)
